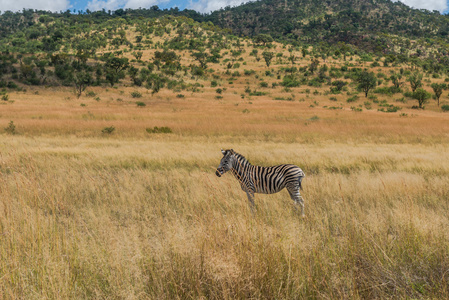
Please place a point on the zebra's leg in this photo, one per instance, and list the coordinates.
(251, 200)
(297, 198)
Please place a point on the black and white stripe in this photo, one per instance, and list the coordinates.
(264, 180)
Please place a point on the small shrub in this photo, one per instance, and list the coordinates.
(136, 94)
(390, 109)
(90, 94)
(245, 111)
(219, 91)
(445, 107)
(352, 99)
(290, 81)
(180, 96)
(356, 109)
(140, 104)
(11, 128)
(11, 85)
(257, 93)
(108, 130)
(367, 105)
(156, 129)
(213, 83)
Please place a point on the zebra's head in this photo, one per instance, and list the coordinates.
(226, 162)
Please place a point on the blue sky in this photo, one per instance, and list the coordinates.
(198, 5)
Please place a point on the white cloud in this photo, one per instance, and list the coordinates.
(440, 5)
(95, 5)
(206, 6)
(16, 5)
(143, 3)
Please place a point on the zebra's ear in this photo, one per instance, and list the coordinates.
(222, 151)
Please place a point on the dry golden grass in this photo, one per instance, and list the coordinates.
(84, 214)
(129, 218)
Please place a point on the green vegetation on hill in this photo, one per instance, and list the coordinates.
(158, 49)
(375, 26)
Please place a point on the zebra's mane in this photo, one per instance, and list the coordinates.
(240, 157)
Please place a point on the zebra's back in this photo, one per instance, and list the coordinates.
(269, 180)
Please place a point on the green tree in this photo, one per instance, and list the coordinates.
(422, 96)
(268, 56)
(314, 65)
(133, 72)
(137, 54)
(263, 39)
(366, 81)
(438, 90)
(82, 80)
(168, 61)
(113, 68)
(396, 80)
(415, 81)
(201, 57)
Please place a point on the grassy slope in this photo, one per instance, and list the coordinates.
(138, 215)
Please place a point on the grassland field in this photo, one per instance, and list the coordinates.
(139, 215)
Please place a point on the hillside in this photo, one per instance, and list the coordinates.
(141, 62)
(369, 25)
(180, 54)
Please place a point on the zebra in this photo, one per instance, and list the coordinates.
(264, 180)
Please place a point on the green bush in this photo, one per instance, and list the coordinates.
(390, 109)
(11, 128)
(290, 81)
(108, 130)
(136, 94)
(156, 129)
(90, 94)
(445, 107)
(352, 99)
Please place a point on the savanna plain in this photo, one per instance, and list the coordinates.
(132, 214)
